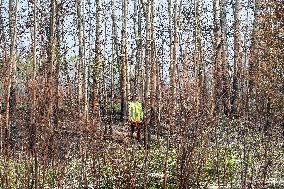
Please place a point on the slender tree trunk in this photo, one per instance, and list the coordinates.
(253, 63)
(185, 76)
(85, 67)
(217, 57)
(225, 93)
(147, 89)
(33, 118)
(245, 94)
(33, 128)
(173, 62)
(140, 82)
(82, 84)
(172, 71)
(136, 66)
(2, 79)
(237, 60)
(88, 61)
(98, 62)
(197, 60)
(158, 99)
(52, 58)
(114, 59)
(153, 74)
(124, 63)
(33, 110)
(10, 91)
(138, 35)
(104, 96)
(2, 35)
(57, 66)
(51, 78)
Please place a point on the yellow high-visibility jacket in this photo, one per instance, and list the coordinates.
(135, 111)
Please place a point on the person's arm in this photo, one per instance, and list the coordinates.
(130, 112)
(141, 112)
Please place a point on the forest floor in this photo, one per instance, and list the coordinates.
(204, 154)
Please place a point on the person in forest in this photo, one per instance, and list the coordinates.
(135, 116)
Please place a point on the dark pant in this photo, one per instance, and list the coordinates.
(136, 126)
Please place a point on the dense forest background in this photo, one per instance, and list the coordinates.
(209, 73)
